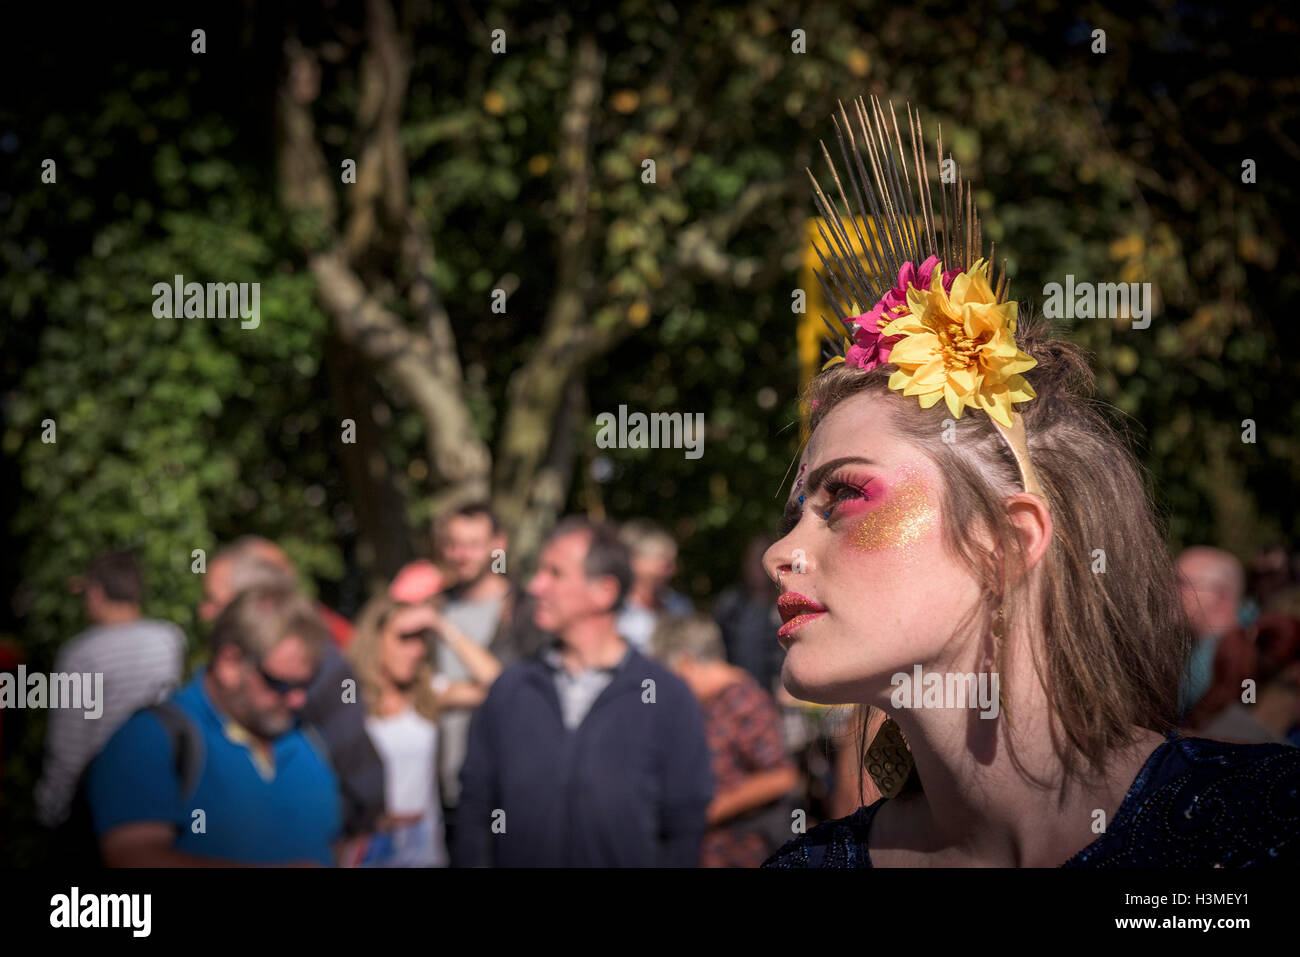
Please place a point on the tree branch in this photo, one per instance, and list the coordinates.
(536, 391)
(378, 199)
(456, 453)
(421, 364)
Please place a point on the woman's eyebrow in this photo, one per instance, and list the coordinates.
(818, 475)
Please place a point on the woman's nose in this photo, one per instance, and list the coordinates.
(775, 563)
(782, 560)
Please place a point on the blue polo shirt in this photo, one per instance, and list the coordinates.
(254, 812)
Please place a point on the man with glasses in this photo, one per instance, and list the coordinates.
(255, 787)
(335, 707)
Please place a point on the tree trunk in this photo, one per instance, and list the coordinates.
(383, 534)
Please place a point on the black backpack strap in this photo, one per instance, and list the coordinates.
(73, 843)
(188, 749)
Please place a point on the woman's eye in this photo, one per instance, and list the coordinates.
(840, 492)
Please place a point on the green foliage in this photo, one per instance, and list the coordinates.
(172, 434)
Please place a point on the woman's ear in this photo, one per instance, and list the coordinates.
(1033, 522)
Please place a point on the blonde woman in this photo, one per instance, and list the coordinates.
(969, 547)
(391, 651)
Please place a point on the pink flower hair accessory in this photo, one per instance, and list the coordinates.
(869, 348)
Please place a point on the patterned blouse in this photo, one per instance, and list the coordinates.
(743, 729)
(1195, 803)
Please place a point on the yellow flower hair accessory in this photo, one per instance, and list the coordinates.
(960, 346)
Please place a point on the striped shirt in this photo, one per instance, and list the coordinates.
(142, 663)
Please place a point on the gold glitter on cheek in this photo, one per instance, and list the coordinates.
(902, 521)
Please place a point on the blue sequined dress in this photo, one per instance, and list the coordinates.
(1195, 803)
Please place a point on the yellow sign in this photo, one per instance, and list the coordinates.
(812, 331)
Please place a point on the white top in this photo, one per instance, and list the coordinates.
(407, 743)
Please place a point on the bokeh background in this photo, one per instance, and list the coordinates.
(522, 171)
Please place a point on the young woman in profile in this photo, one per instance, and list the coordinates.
(391, 650)
(1011, 550)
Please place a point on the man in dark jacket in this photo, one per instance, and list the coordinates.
(587, 753)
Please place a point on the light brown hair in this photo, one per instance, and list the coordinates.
(259, 618)
(695, 635)
(363, 651)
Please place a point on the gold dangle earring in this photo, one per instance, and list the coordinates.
(889, 760)
(999, 632)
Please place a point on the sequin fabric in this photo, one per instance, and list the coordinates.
(1195, 803)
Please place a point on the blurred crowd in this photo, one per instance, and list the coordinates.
(588, 716)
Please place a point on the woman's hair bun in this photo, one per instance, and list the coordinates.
(1063, 368)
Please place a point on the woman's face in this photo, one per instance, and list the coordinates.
(399, 656)
(869, 591)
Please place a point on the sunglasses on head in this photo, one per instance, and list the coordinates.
(279, 685)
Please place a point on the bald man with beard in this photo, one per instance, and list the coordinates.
(1213, 585)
